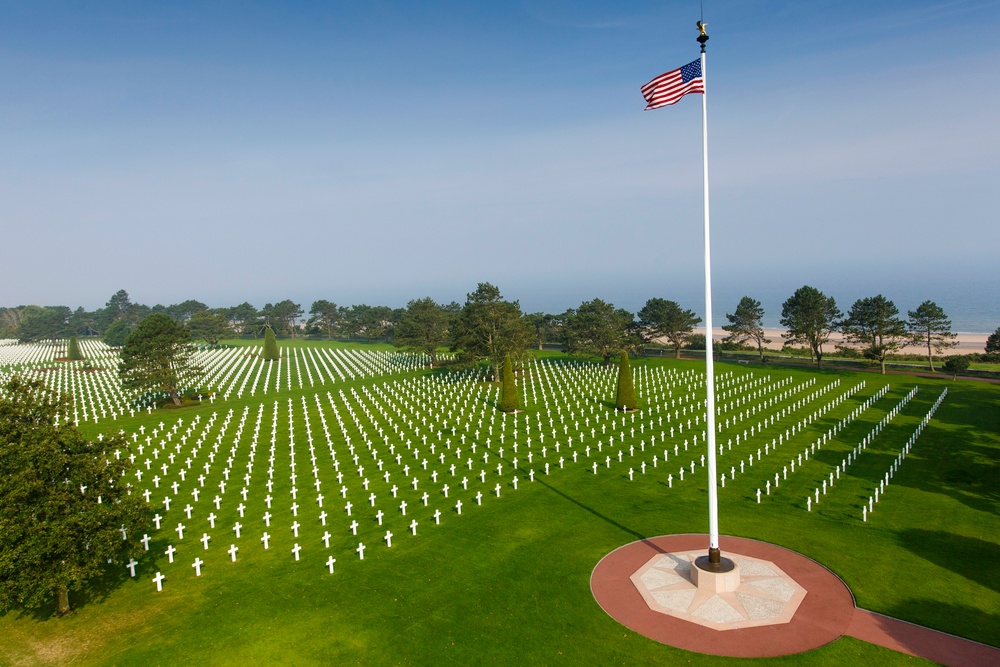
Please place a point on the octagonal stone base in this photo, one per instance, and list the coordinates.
(765, 594)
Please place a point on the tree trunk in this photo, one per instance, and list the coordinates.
(882, 364)
(62, 601)
(930, 356)
(760, 349)
(174, 397)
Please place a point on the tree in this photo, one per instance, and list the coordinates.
(64, 509)
(423, 327)
(208, 326)
(284, 314)
(931, 327)
(809, 317)
(157, 356)
(873, 324)
(625, 395)
(43, 323)
(666, 319)
(271, 352)
(747, 324)
(490, 328)
(182, 312)
(372, 321)
(244, 318)
(545, 325)
(117, 333)
(326, 314)
(510, 401)
(956, 364)
(993, 342)
(73, 352)
(598, 328)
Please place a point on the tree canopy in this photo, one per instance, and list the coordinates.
(490, 328)
(666, 319)
(209, 327)
(157, 356)
(873, 324)
(956, 364)
(809, 317)
(931, 327)
(598, 328)
(64, 511)
(993, 342)
(325, 314)
(423, 327)
(747, 324)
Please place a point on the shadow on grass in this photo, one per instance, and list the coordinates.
(958, 619)
(96, 590)
(972, 558)
(600, 516)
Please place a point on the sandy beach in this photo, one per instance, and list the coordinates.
(967, 342)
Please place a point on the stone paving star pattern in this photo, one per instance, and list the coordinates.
(766, 596)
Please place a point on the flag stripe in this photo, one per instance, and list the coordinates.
(671, 86)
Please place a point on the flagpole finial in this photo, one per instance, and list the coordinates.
(702, 35)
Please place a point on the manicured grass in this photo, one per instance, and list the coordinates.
(508, 582)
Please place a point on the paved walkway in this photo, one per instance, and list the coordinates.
(826, 613)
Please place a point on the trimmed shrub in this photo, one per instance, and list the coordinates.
(73, 352)
(271, 352)
(510, 401)
(625, 399)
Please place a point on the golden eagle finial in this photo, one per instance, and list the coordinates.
(701, 28)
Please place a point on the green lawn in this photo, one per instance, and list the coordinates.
(507, 582)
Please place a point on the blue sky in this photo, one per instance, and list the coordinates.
(382, 151)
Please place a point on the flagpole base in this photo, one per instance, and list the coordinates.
(721, 576)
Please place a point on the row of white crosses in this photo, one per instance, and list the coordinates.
(769, 448)
(375, 437)
(900, 457)
(97, 393)
(180, 526)
(790, 468)
(853, 455)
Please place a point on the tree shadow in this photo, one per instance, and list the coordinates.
(970, 557)
(95, 591)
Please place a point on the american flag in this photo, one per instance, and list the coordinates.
(667, 88)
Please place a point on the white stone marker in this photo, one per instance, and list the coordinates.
(197, 566)
(361, 550)
(329, 563)
(205, 537)
(232, 551)
(265, 539)
(131, 566)
(295, 550)
(158, 580)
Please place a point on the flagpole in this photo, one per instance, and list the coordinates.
(714, 561)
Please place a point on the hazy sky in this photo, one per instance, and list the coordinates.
(383, 151)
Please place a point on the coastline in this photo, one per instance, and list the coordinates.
(968, 343)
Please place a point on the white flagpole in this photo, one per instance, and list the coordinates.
(714, 554)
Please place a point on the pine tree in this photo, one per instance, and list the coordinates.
(509, 399)
(271, 352)
(625, 400)
(73, 352)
